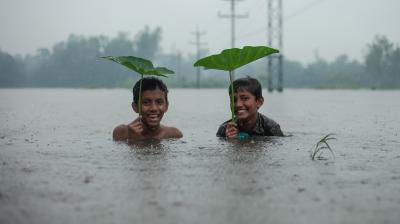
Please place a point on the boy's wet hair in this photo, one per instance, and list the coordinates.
(248, 84)
(149, 83)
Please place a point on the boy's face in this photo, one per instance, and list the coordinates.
(246, 105)
(154, 105)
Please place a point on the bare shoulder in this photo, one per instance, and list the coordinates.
(120, 133)
(172, 132)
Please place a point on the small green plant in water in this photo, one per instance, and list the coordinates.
(316, 152)
(231, 59)
(141, 66)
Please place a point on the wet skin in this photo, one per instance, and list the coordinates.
(246, 108)
(154, 105)
(147, 126)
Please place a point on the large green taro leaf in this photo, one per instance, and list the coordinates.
(139, 65)
(231, 59)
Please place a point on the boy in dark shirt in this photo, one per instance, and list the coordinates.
(248, 99)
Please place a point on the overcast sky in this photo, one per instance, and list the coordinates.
(325, 27)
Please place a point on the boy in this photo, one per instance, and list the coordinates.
(248, 99)
(154, 105)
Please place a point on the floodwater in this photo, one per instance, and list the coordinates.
(58, 163)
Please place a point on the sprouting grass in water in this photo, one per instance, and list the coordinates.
(316, 152)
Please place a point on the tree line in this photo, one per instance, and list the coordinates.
(75, 63)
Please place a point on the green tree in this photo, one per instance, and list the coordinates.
(382, 63)
(10, 71)
(147, 43)
(74, 62)
(120, 45)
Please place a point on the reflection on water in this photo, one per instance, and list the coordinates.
(52, 140)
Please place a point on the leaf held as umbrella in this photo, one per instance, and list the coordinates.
(141, 66)
(231, 59)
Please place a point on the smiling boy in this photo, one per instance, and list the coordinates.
(154, 105)
(248, 99)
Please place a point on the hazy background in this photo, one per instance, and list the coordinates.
(58, 163)
(320, 36)
(330, 27)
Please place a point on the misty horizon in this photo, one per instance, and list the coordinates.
(311, 28)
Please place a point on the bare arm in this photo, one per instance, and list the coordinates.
(120, 133)
(131, 131)
(173, 132)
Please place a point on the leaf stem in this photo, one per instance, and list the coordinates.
(232, 97)
(140, 95)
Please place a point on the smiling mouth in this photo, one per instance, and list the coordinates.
(241, 111)
(153, 117)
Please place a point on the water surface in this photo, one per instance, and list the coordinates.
(58, 163)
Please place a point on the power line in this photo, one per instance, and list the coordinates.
(302, 10)
(212, 20)
(232, 16)
(255, 11)
(286, 18)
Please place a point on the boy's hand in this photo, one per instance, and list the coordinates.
(135, 128)
(231, 130)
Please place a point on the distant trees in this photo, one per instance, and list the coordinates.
(147, 43)
(74, 63)
(381, 69)
(341, 73)
(69, 64)
(11, 74)
(382, 63)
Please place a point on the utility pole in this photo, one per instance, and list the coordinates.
(233, 16)
(198, 44)
(178, 62)
(275, 40)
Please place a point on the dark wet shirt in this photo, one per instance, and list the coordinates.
(264, 127)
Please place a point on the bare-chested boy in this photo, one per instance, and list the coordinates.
(154, 105)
